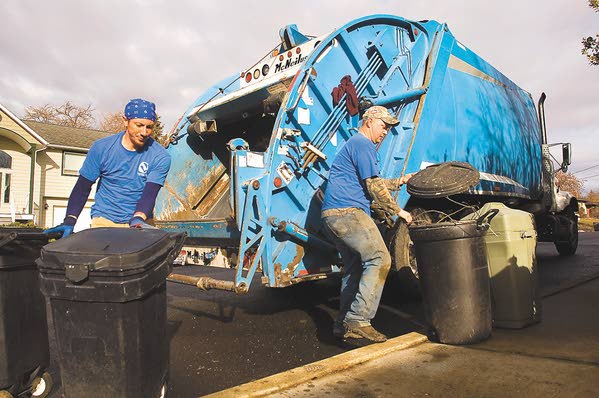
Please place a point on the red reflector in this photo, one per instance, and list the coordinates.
(416, 32)
(248, 77)
(298, 50)
(289, 54)
(278, 182)
(256, 184)
(303, 272)
(281, 57)
(256, 73)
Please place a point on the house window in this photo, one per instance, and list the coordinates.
(72, 162)
(5, 160)
(6, 190)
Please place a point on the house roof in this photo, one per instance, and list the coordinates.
(25, 142)
(69, 137)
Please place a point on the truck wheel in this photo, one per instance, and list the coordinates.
(5, 394)
(41, 386)
(568, 247)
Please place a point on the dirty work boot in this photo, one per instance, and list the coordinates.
(339, 330)
(358, 332)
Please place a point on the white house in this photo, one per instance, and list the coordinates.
(39, 165)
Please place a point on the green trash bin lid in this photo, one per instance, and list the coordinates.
(443, 179)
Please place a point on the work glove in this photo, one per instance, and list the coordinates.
(63, 229)
(138, 222)
(381, 216)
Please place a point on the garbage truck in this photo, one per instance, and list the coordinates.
(251, 156)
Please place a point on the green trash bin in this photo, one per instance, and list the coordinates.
(510, 244)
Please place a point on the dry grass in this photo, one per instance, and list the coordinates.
(587, 224)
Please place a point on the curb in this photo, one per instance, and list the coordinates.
(291, 378)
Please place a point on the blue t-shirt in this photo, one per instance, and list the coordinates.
(355, 162)
(123, 175)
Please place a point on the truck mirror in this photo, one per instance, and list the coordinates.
(566, 156)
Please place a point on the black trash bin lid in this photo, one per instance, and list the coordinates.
(443, 179)
(8, 234)
(108, 249)
(20, 246)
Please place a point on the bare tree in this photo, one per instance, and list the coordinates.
(158, 128)
(44, 114)
(112, 122)
(593, 196)
(76, 116)
(569, 182)
(67, 114)
(590, 45)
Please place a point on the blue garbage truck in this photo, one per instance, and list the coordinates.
(251, 156)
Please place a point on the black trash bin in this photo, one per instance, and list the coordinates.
(107, 291)
(24, 352)
(454, 280)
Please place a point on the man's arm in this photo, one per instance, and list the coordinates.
(393, 184)
(155, 181)
(146, 203)
(77, 200)
(382, 198)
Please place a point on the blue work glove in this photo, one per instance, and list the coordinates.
(63, 229)
(138, 222)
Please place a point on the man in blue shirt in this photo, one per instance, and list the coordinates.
(354, 182)
(130, 168)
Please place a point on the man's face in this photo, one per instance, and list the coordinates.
(138, 131)
(379, 130)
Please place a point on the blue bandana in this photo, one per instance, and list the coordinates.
(140, 109)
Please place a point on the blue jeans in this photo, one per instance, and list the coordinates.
(366, 263)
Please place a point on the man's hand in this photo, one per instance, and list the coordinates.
(62, 229)
(406, 178)
(405, 215)
(138, 222)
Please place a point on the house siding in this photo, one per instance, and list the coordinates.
(20, 177)
(56, 187)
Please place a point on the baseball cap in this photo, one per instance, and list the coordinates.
(380, 112)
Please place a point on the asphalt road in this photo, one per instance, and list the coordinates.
(219, 340)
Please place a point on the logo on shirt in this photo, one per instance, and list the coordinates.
(142, 170)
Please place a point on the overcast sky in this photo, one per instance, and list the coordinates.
(105, 52)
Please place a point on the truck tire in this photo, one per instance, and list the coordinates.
(568, 247)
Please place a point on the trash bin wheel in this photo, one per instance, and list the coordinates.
(42, 386)
(5, 394)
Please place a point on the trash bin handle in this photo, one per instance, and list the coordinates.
(8, 238)
(488, 216)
